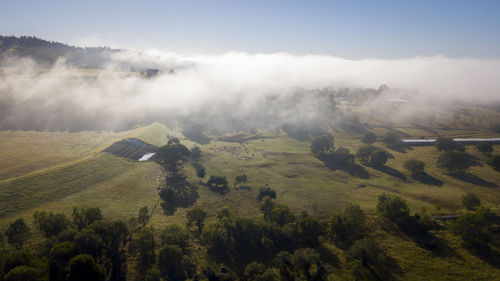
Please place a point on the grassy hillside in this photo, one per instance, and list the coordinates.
(120, 187)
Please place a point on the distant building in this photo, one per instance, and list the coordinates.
(470, 141)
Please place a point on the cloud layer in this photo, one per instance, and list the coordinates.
(230, 90)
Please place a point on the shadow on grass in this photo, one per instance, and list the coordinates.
(471, 178)
(222, 190)
(356, 170)
(245, 187)
(486, 253)
(390, 171)
(399, 148)
(424, 128)
(474, 161)
(181, 195)
(425, 178)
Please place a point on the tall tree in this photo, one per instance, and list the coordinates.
(18, 233)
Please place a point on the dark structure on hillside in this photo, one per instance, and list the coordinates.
(429, 142)
(132, 148)
(150, 72)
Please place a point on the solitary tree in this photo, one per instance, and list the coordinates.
(172, 156)
(196, 153)
(378, 158)
(454, 162)
(240, 180)
(415, 167)
(18, 233)
(321, 144)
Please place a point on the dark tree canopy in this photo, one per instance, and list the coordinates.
(85, 217)
(196, 216)
(347, 226)
(18, 233)
(22, 273)
(84, 268)
(196, 153)
(415, 167)
(240, 180)
(49, 223)
(448, 144)
(266, 191)
(391, 138)
(172, 156)
(378, 158)
(393, 208)
(365, 151)
(217, 182)
(321, 145)
(454, 162)
(473, 227)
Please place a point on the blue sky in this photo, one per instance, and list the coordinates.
(349, 29)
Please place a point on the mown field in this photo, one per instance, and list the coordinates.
(59, 171)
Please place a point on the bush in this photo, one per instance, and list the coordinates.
(415, 167)
(471, 201)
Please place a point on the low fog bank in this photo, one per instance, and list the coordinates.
(230, 92)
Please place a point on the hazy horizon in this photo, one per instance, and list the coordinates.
(350, 29)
